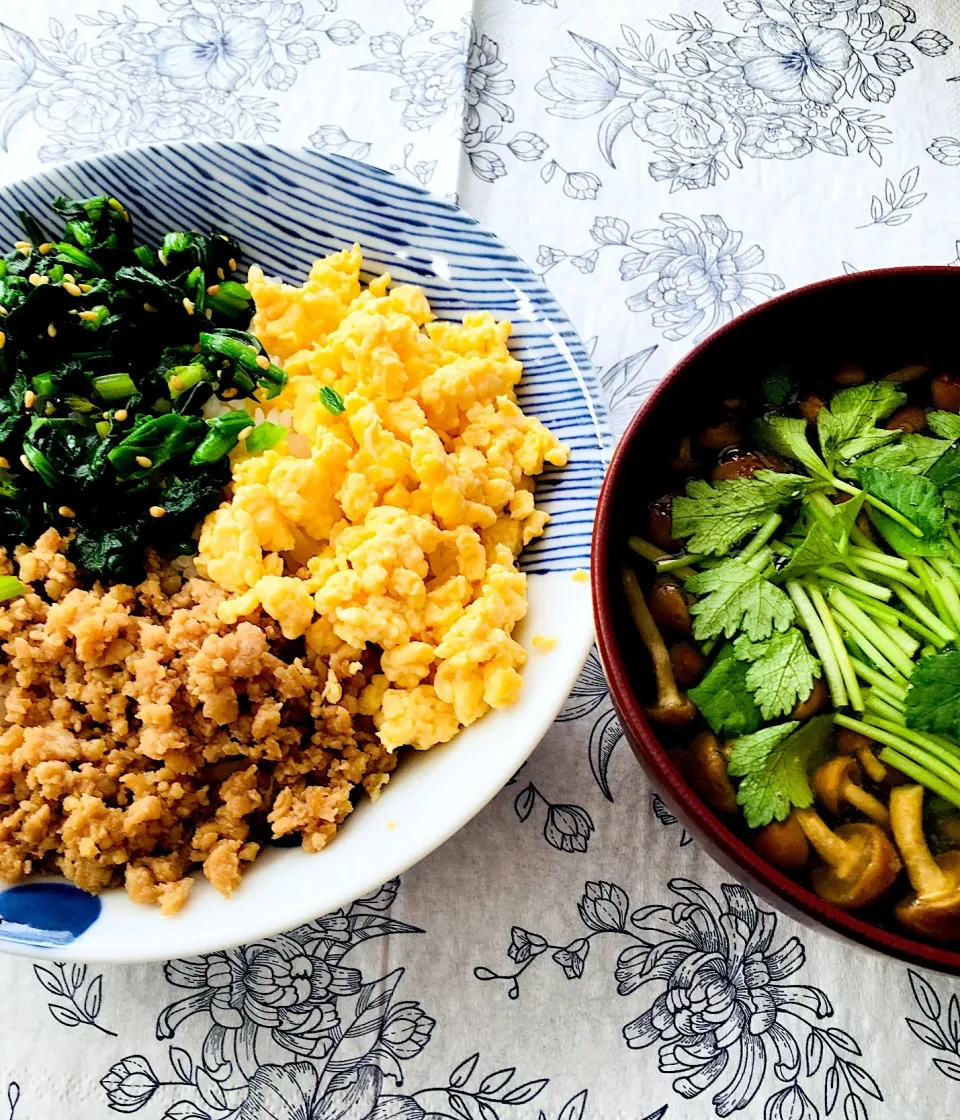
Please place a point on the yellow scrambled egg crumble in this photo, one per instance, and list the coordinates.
(398, 521)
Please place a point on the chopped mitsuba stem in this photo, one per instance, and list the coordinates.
(877, 568)
(940, 762)
(850, 682)
(866, 626)
(678, 564)
(884, 613)
(865, 587)
(650, 552)
(760, 538)
(821, 642)
(904, 641)
(926, 616)
(867, 647)
(876, 556)
(893, 514)
(921, 774)
(880, 706)
(879, 681)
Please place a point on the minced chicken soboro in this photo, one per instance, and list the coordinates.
(360, 593)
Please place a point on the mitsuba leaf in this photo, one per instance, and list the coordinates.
(716, 516)
(781, 671)
(735, 596)
(723, 699)
(846, 427)
(773, 766)
(933, 699)
(915, 496)
(914, 453)
(787, 436)
(945, 424)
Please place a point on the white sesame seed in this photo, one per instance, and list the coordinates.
(29, 399)
(176, 382)
(221, 274)
(232, 265)
(208, 312)
(157, 511)
(22, 245)
(245, 432)
(160, 257)
(4, 462)
(44, 248)
(120, 414)
(228, 394)
(149, 307)
(69, 277)
(144, 462)
(36, 279)
(66, 511)
(86, 287)
(71, 288)
(3, 339)
(88, 315)
(263, 361)
(188, 305)
(213, 289)
(51, 330)
(26, 462)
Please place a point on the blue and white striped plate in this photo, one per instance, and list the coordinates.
(287, 207)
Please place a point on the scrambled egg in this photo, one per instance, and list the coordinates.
(396, 522)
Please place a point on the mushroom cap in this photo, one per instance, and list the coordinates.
(829, 779)
(668, 605)
(935, 915)
(866, 875)
(707, 773)
(805, 709)
(784, 844)
(850, 742)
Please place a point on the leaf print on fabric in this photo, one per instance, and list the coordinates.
(450, 74)
(79, 1001)
(668, 820)
(939, 1029)
(202, 73)
(695, 275)
(945, 150)
(13, 1099)
(567, 828)
(896, 206)
(771, 88)
(725, 1018)
(332, 138)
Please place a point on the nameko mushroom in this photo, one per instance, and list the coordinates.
(859, 864)
(933, 906)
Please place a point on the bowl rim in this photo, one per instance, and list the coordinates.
(651, 753)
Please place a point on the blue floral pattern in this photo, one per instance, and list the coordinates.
(456, 72)
(781, 84)
(725, 1019)
(119, 79)
(694, 276)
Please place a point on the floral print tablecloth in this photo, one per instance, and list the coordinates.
(572, 953)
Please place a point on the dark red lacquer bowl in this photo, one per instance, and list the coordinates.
(885, 320)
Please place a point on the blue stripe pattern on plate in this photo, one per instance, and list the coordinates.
(288, 206)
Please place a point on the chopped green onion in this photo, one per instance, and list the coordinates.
(222, 438)
(78, 257)
(333, 402)
(114, 386)
(43, 384)
(264, 437)
(186, 377)
(11, 588)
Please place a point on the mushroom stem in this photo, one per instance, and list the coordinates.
(875, 769)
(906, 819)
(672, 708)
(828, 845)
(872, 806)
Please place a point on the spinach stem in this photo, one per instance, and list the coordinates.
(850, 681)
(821, 643)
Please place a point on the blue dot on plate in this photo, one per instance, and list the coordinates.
(46, 914)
